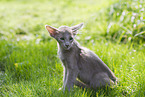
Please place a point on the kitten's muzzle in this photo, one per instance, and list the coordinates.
(67, 45)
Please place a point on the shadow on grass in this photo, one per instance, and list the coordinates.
(107, 91)
(117, 90)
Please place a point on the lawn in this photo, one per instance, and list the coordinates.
(29, 64)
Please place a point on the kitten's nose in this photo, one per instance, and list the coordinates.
(67, 45)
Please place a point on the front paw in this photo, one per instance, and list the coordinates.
(65, 89)
(60, 89)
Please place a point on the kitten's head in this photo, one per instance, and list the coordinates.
(64, 34)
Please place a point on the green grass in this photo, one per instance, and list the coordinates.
(29, 65)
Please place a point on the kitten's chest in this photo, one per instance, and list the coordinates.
(61, 55)
(64, 56)
(68, 57)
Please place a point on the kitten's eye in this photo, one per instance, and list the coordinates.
(61, 38)
(71, 38)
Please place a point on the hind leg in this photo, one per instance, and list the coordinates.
(81, 84)
(100, 80)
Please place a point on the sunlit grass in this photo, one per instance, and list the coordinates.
(37, 70)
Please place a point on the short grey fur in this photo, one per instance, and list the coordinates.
(82, 67)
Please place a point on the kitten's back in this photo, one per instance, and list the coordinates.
(93, 64)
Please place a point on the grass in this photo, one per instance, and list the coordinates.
(29, 65)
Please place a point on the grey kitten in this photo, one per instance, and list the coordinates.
(82, 67)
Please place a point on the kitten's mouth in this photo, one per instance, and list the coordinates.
(67, 48)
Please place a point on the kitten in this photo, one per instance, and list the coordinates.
(82, 67)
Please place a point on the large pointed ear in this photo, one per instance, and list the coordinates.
(52, 31)
(76, 27)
